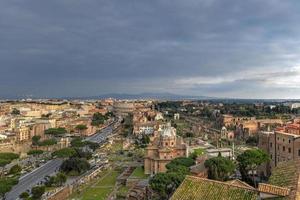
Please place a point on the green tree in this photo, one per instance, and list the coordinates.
(77, 142)
(80, 153)
(249, 161)
(165, 184)
(81, 127)
(92, 145)
(196, 153)
(61, 178)
(15, 111)
(6, 184)
(219, 168)
(110, 114)
(38, 191)
(6, 158)
(56, 181)
(15, 169)
(75, 166)
(35, 139)
(24, 195)
(3, 163)
(98, 119)
(179, 169)
(35, 152)
(56, 131)
(145, 139)
(189, 134)
(48, 142)
(46, 115)
(65, 152)
(183, 161)
(252, 140)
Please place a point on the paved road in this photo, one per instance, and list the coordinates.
(35, 177)
(27, 181)
(102, 135)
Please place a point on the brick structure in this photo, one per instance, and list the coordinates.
(283, 144)
(164, 148)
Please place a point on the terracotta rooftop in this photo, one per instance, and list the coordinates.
(272, 189)
(287, 175)
(239, 183)
(194, 188)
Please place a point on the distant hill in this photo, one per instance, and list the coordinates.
(160, 96)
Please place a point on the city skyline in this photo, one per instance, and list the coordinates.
(234, 49)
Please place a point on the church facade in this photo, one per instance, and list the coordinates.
(164, 147)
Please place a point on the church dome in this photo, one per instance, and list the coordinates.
(168, 132)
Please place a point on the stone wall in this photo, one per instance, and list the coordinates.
(62, 194)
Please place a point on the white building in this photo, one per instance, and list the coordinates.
(2, 137)
(159, 116)
(176, 116)
(295, 105)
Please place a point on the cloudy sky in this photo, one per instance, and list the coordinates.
(220, 48)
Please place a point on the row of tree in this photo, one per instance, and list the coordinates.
(7, 183)
(221, 168)
(36, 193)
(36, 141)
(164, 184)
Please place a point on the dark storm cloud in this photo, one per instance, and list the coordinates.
(207, 47)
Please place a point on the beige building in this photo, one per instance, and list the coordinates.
(39, 128)
(283, 144)
(123, 108)
(23, 134)
(164, 148)
(247, 126)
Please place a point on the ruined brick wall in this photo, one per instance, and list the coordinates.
(62, 194)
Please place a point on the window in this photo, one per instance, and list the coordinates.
(277, 138)
(270, 144)
(289, 141)
(271, 156)
(299, 152)
(289, 150)
(166, 144)
(283, 148)
(283, 140)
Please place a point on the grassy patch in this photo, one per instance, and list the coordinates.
(139, 173)
(109, 179)
(116, 146)
(97, 193)
(122, 192)
(102, 189)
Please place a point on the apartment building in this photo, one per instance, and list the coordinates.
(283, 144)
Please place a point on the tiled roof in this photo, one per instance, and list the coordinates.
(194, 188)
(237, 182)
(272, 189)
(286, 174)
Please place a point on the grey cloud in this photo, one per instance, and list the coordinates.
(51, 47)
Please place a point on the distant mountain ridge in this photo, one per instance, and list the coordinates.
(159, 96)
(121, 96)
(146, 96)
